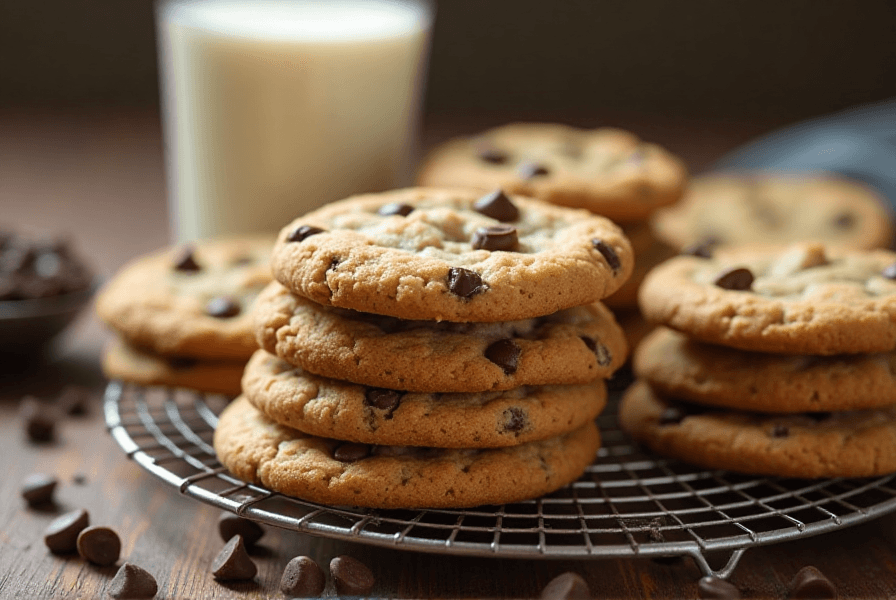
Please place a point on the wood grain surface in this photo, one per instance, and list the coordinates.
(98, 177)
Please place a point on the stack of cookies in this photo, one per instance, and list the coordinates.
(182, 315)
(430, 348)
(607, 171)
(775, 361)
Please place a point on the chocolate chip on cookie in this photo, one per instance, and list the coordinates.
(531, 170)
(395, 208)
(498, 206)
(386, 400)
(222, 307)
(186, 260)
(515, 420)
(780, 431)
(303, 232)
(349, 452)
(608, 253)
(496, 237)
(738, 279)
(490, 154)
(604, 357)
(845, 220)
(504, 353)
(464, 283)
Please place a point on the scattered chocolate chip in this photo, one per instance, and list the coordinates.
(889, 272)
(395, 208)
(702, 249)
(230, 525)
(38, 419)
(99, 545)
(132, 582)
(608, 253)
(61, 536)
(74, 400)
(531, 170)
(303, 232)
(672, 415)
(464, 283)
(716, 588)
(566, 586)
(738, 279)
(38, 488)
(351, 452)
(490, 154)
(498, 206)
(504, 353)
(222, 307)
(351, 577)
(780, 431)
(302, 578)
(233, 562)
(514, 420)
(604, 358)
(182, 363)
(497, 237)
(386, 400)
(186, 260)
(845, 220)
(809, 582)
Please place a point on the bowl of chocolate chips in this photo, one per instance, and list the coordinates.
(44, 284)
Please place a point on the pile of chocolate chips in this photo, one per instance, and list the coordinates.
(38, 269)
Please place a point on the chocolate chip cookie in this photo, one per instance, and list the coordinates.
(731, 209)
(607, 171)
(260, 451)
(805, 299)
(451, 255)
(840, 444)
(575, 345)
(332, 408)
(190, 300)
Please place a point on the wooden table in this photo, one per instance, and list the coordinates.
(98, 176)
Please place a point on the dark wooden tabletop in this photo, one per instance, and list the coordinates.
(98, 177)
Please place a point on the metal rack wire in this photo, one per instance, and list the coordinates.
(628, 503)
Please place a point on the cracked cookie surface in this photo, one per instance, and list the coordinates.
(453, 255)
(260, 451)
(607, 171)
(576, 345)
(844, 444)
(338, 409)
(804, 299)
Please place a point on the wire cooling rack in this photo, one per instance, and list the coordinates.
(628, 503)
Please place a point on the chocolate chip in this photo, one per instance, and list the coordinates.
(780, 431)
(222, 307)
(464, 283)
(186, 261)
(302, 578)
(809, 582)
(497, 237)
(672, 415)
(38, 488)
(303, 232)
(608, 253)
(38, 419)
(132, 582)
(490, 154)
(386, 400)
(233, 562)
(351, 577)
(351, 452)
(531, 170)
(230, 525)
(498, 206)
(182, 363)
(845, 220)
(504, 353)
(395, 208)
(515, 420)
(74, 400)
(61, 536)
(889, 272)
(702, 249)
(716, 588)
(738, 279)
(566, 586)
(99, 545)
(604, 358)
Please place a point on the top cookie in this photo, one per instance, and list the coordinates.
(190, 301)
(451, 255)
(776, 208)
(608, 171)
(801, 300)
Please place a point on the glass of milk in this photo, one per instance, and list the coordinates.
(272, 108)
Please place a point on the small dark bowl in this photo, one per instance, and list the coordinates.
(28, 325)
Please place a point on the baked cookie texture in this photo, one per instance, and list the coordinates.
(338, 409)
(807, 445)
(126, 363)
(258, 450)
(190, 303)
(714, 375)
(607, 171)
(421, 263)
(770, 208)
(805, 299)
(575, 345)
